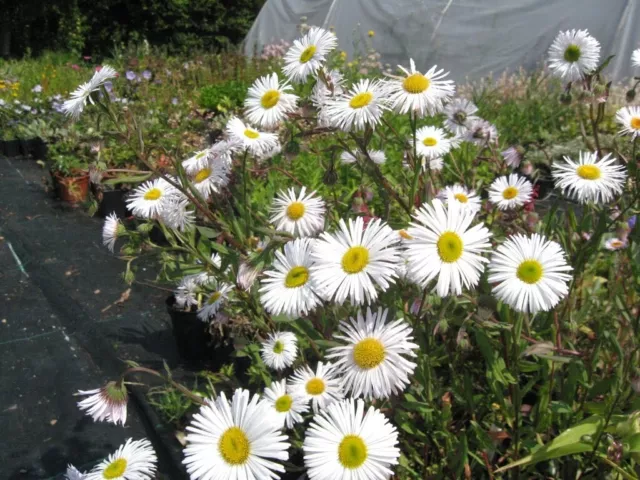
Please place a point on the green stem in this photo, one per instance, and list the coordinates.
(245, 206)
(516, 400)
(417, 164)
(188, 393)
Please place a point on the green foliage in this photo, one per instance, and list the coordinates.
(223, 97)
(95, 28)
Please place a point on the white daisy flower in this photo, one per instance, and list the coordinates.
(418, 93)
(360, 106)
(530, 273)
(467, 198)
(308, 54)
(235, 440)
(215, 301)
(573, 54)
(301, 214)
(268, 101)
(288, 406)
(106, 404)
(590, 179)
(111, 230)
(328, 88)
(270, 154)
(186, 293)
(435, 164)
(352, 261)
(247, 275)
(322, 388)
(629, 118)
(480, 132)
(512, 157)
(510, 192)
(176, 214)
(348, 442)
(208, 176)
(431, 142)
(257, 143)
(615, 244)
(75, 105)
(373, 362)
(459, 113)
(289, 287)
(377, 156)
(444, 246)
(73, 473)
(133, 460)
(148, 200)
(280, 350)
(635, 58)
(197, 161)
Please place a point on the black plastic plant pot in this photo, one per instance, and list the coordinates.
(12, 148)
(113, 201)
(191, 334)
(39, 150)
(25, 147)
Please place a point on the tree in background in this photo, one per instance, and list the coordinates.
(95, 28)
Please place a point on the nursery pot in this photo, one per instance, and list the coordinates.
(113, 201)
(25, 146)
(72, 189)
(12, 148)
(191, 334)
(39, 149)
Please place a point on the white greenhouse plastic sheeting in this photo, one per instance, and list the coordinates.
(470, 38)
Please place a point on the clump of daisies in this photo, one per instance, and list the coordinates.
(411, 216)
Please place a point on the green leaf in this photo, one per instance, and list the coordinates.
(634, 443)
(569, 442)
(130, 179)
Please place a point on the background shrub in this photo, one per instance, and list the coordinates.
(96, 28)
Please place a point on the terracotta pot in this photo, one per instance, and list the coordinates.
(72, 189)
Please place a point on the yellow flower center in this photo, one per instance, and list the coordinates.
(635, 123)
(461, 197)
(315, 386)
(278, 347)
(252, 134)
(430, 142)
(115, 469)
(307, 54)
(530, 271)
(296, 277)
(283, 404)
(449, 247)
(355, 259)
(509, 193)
(234, 446)
(368, 353)
(295, 211)
(202, 175)
(572, 53)
(404, 234)
(588, 172)
(153, 194)
(361, 100)
(416, 83)
(270, 99)
(352, 451)
(214, 298)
